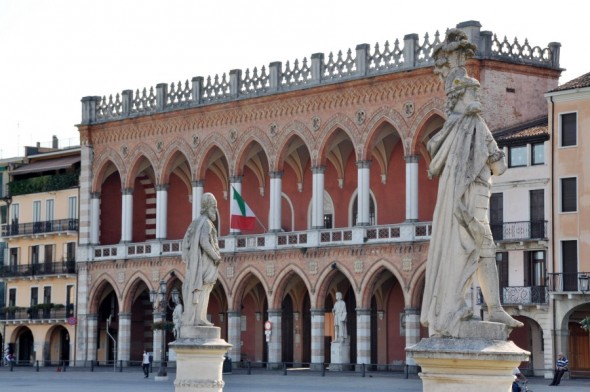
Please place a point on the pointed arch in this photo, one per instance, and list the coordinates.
(97, 289)
(177, 153)
(285, 138)
(140, 159)
(130, 289)
(330, 131)
(431, 112)
(370, 277)
(382, 116)
(104, 168)
(280, 285)
(241, 284)
(244, 153)
(324, 280)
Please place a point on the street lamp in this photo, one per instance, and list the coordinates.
(583, 281)
(160, 303)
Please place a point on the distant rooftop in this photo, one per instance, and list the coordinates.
(537, 129)
(579, 82)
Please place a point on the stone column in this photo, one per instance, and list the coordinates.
(275, 343)
(363, 336)
(411, 188)
(317, 203)
(364, 194)
(85, 181)
(197, 196)
(161, 211)
(124, 338)
(236, 183)
(318, 356)
(274, 216)
(412, 325)
(91, 341)
(127, 215)
(157, 339)
(234, 334)
(94, 218)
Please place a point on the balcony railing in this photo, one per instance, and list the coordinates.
(518, 231)
(566, 282)
(53, 226)
(520, 295)
(34, 313)
(405, 232)
(68, 267)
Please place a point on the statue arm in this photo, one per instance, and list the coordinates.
(206, 243)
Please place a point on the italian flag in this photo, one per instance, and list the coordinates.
(242, 217)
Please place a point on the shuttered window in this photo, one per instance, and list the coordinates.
(569, 132)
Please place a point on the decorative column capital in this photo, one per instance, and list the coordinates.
(409, 311)
(318, 312)
(198, 183)
(363, 312)
(275, 312)
(318, 169)
(276, 174)
(363, 164)
(236, 179)
(127, 191)
(95, 195)
(411, 158)
(162, 187)
(233, 313)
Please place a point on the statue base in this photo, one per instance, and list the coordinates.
(340, 355)
(199, 359)
(466, 364)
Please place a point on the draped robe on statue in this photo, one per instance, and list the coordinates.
(460, 153)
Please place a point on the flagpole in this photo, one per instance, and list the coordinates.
(260, 223)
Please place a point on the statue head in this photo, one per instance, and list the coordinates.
(338, 295)
(452, 53)
(209, 206)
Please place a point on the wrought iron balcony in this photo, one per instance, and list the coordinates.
(520, 295)
(38, 312)
(38, 269)
(568, 282)
(33, 228)
(519, 231)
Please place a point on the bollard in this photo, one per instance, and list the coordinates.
(37, 365)
(63, 365)
(363, 369)
(406, 372)
(323, 369)
(92, 365)
(284, 369)
(120, 366)
(249, 368)
(11, 365)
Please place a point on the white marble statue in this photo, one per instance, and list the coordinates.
(200, 252)
(464, 156)
(339, 311)
(177, 320)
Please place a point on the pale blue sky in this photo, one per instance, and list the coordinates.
(55, 52)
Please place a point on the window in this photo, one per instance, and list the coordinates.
(15, 213)
(569, 125)
(13, 259)
(35, 254)
(537, 213)
(69, 300)
(569, 263)
(517, 156)
(73, 207)
(497, 215)
(538, 154)
(34, 296)
(49, 209)
(12, 297)
(502, 264)
(47, 294)
(569, 197)
(37, 227)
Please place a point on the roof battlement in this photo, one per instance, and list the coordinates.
(320, 70)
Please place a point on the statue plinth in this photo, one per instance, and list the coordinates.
(340, 355)
(456, 365)
(199, 359)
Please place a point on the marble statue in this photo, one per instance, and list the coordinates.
(200, 252)
(339, 311)
(465, 156)
(177, 320)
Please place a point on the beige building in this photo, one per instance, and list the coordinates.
(569, 121)
(38, 317)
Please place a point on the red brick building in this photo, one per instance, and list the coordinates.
(330, 155)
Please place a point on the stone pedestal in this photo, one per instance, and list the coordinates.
(467, 364)
(199, 359)
(340, 355)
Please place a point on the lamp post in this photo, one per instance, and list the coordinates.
(160, 304)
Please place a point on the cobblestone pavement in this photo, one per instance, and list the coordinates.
(131, 380)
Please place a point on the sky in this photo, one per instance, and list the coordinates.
(53, 53)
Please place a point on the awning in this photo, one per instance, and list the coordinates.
(47, 164)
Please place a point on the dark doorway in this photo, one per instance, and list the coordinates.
(287, 330)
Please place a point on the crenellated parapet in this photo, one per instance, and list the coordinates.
(407, 55)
